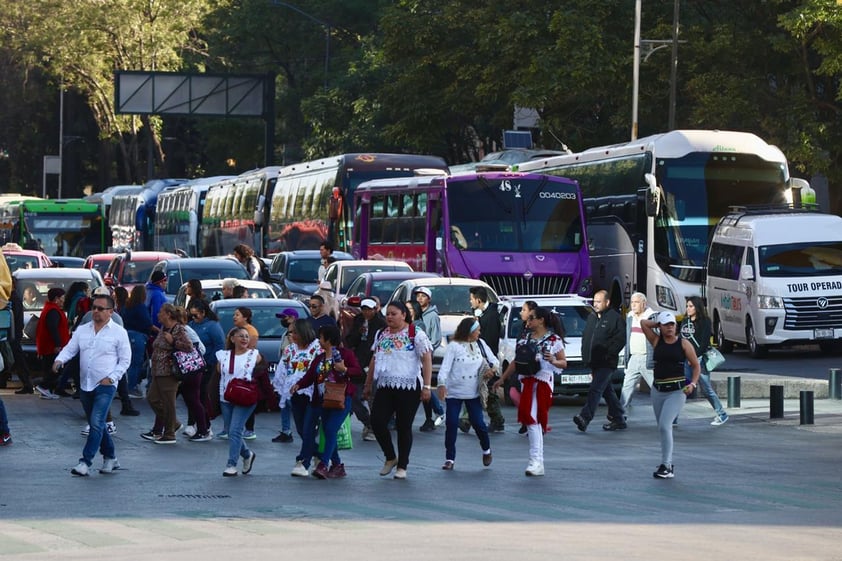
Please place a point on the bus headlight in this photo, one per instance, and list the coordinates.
(769, 302)
(664, 297)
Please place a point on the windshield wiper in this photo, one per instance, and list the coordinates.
(527, 207)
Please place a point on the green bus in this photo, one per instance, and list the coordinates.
(70, 227)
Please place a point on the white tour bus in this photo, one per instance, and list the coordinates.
(651, 205)
(775, 278)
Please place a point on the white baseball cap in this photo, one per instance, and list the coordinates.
(368, 303)
(423, 290)
(666, 317)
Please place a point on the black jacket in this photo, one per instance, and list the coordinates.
(361, 344)
(489, 324)
(603, 339)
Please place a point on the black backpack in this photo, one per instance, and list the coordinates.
(525, 362)
(265, 275)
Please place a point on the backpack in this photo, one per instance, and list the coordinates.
(525, 362)
(264, 275)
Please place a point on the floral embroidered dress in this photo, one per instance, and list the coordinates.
(397, 358)
(292, 367)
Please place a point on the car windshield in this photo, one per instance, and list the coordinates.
(16, 262)
(178, 275)
(263, 319)
(33, 292)
(137, 271)
(451, 299)
(384, 288)
(101, 265)
(350, 274)
(573, 318)
(303, 270)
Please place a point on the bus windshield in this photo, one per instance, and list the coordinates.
(75, 235)
(514, 214)
(699, 189)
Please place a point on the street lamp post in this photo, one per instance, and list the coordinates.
(319, 22)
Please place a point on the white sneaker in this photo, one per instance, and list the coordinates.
(45, 393)
(400, 473)
(85, 431)
(81, 469)
(230, 471)
(368, 435)
(109, 465)
(190, 430)
(719, 420)
(439, 421)
(299, 470)
(534, 469)
(111, 427)
(210, 432)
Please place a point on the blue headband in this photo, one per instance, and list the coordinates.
(475, 326)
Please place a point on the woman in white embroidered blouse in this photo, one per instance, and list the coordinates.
(468, 362)
(403, 367)
(244, 360)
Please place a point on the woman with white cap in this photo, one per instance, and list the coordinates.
(670, 387)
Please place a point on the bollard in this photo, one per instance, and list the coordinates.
(733, 392)
(806, 407)
(835, 384)
(776, 402)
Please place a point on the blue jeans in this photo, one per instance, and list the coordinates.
(235, 419)
(332, 420)
(474, 408)
(286, 416)
(309, 431)
(300, 404)
(4, 420)
(433, 406)
(138, 343)
(705, 386)
(96, 404)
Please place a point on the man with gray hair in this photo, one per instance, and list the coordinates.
(638, 355)
(228, 286)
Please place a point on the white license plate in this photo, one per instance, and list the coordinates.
(575, 378)
(823, 333)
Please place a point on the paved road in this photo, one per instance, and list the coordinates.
(750, 489)
(802, 362)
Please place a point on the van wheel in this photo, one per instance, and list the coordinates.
(724, 345)
(754, 348)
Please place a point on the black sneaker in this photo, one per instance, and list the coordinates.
(150, 436)
(283, 437)
(615, 425)
(663, 472)
(523, 429)
(428, 426)
(25, 391)
(581, 423)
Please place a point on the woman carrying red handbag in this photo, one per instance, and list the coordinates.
(236, 365)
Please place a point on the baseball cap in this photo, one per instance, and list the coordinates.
(287, 312)
(666, 317)
(368, 303)
(102, 291)
(423, 290)
(157, 277)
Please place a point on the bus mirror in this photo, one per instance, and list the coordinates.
(653, 195)
(258, 212)
(439, 243)
(747, 272)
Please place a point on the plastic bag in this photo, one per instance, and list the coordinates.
(343, 437)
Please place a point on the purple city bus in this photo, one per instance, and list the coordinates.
(521, 233)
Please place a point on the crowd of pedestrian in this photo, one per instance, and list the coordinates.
(104, 345)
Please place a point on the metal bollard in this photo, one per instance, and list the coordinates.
(776, 402)
(733, 391)
(807, 407)
(835, 384)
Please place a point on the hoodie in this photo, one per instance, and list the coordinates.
(432, 325)
(155, 298)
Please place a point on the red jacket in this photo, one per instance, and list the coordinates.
(45, 344)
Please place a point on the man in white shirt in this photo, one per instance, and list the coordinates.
(104, 355)
(639, 362)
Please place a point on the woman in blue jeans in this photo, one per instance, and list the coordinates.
(236, 361)
(696, 329)
(468, 362)
(332, 365)
(138, 324)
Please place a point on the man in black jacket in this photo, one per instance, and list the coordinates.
(602, 341)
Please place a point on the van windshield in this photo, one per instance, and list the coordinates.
(812, 259)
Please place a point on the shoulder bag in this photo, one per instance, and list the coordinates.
(240, 391)
(334, 394)
(713, 359)
(482, 383)
(187, 363)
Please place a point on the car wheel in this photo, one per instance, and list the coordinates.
(754, 348)
(724, 345)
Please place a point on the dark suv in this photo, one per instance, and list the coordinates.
(297, 272)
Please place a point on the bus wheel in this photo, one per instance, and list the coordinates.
(754, 348)
(724, 345)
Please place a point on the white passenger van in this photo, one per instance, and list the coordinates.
(774, 277)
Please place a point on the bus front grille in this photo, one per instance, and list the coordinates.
(537, 285)
(813, 313)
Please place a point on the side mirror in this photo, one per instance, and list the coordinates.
(109, 281)
(653, 196)
(747, 272)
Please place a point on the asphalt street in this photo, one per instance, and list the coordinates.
(752, 488)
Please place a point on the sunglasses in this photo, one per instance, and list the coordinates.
(531, 318)
(100, 308)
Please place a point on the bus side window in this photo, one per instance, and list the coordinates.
(405, 229)
(390, 230)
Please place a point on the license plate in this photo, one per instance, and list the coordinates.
(823, 333)
(575, 378)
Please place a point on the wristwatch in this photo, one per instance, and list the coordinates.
(428, 387)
